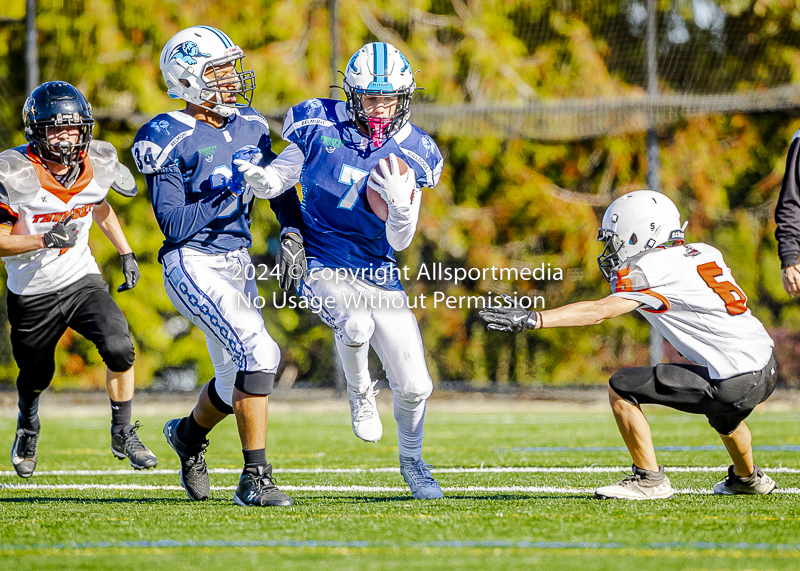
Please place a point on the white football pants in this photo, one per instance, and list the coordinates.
(205, 289)
(366, 314)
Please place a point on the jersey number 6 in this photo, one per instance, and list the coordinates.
(734, 298)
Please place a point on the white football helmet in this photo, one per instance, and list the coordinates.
(187, 57)
(636, 222)
(379, 69)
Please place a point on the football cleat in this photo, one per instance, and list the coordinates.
(127, 445)
(23, 452)
(757, 483)
(364, 413)
(417, 475)
(257, 488)
(194, 472)
(641, 485)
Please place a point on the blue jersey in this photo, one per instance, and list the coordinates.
(339, 228)
(187, 164)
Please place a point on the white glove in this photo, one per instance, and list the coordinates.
(395, 188)
(264, 181)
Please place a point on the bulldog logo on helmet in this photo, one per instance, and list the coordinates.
(187, 52)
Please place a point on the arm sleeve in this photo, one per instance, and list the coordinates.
(787, 211)
(287, 210)
(288, 165)
(178, 220)
(401, 223)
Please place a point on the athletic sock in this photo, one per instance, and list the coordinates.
(190, 433)
(120, 415)
(355, 362)
(254, 458)
(410, 417)
(29, 411)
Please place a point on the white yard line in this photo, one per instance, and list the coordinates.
(356, 489)
(395, 470)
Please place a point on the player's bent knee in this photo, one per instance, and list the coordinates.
(726, 425)
(117, 353)
(359, 329)
(216, 399)
(266, 354)
(620, 386)
(256, 383)
(415, 393)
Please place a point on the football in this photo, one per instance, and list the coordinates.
(376, 201)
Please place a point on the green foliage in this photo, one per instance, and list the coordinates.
(503, 203)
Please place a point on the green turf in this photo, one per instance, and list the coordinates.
(99, 529)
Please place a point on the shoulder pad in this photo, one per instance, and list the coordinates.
(422, 150)
(156, 139)
(17, 177)
(105, 163)
(629, 277)
(308, 113)
(250, 114)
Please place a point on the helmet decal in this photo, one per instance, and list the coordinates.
(187, 52)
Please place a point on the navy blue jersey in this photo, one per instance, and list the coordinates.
(187, 164)
(339, 228)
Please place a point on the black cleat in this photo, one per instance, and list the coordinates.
(126, 444)
(257, 488)
(23, 452)
(194, 472)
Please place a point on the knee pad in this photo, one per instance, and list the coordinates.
(257, 383)
(623, 383)
(117, 353)
(359, 330)
(216, 400)
(726, 424)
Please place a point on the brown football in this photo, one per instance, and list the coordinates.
(376, 202)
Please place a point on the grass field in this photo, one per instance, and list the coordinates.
(518, 493)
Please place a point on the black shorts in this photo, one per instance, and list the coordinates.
(688, 388)
(38, 322)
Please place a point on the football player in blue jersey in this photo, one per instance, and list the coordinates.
(203, 210)
(334, 147)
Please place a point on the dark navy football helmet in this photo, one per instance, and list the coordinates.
(57, 104)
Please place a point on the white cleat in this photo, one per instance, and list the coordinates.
(417, 475)
(757, 483)
(364, 413)
(641, 485)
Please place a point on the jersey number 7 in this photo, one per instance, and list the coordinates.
(734, 298)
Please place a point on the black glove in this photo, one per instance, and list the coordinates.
(508, 319)
(291, 262)
(130, 269)
(62, 234)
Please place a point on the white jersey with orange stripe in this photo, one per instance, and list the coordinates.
(688, 294)
(35, 201)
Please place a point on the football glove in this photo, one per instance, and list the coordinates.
(248, 155)
(265, 182)
(291, 262)
(62, 234)
(508, 319)
(130, 269)
(395, 188)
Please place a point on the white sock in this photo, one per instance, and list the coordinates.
(355, 362)
(410, 417)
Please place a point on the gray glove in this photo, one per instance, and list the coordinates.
(508, 319)
(130, 269)
(62, 234)
(291, 262)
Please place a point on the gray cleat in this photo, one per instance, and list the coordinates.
(757, 483)
(417, 475)
(641, 485)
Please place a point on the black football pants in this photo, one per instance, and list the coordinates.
(39, 321)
